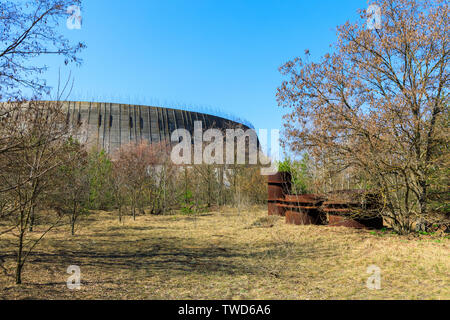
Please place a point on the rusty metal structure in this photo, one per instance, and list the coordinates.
(278, 185)
(348, 208)
(303, 209)
(353, 208)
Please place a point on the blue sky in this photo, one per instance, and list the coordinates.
(201, 53)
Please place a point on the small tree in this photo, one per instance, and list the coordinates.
(100, 174)
(71, 194)
(136, 165)
(118, 188)
(163, 191)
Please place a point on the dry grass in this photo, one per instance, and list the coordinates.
(227, 255)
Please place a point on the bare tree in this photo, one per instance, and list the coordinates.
(70, 195)
(118, 181)
(29, 29)
(379, 103)
(164, 186)
(143, 174)
(41, 136)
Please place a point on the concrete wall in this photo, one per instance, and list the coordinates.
(110, 125)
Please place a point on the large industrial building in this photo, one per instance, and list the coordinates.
(110, 125)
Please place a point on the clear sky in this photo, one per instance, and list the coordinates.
(201, 53)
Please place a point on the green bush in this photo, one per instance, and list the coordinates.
(300, 172)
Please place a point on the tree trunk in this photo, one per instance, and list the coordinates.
(423, 198)
(19, 260)
(19, 274)
(32, 219)
(73, 225)
(74, 217)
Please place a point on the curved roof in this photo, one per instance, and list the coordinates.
(110, 125)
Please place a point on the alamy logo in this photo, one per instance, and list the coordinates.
(213, 152)
(374, 17)
(74, 281)
(74, 21)
(374, 281)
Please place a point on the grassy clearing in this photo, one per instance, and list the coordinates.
(227, 255)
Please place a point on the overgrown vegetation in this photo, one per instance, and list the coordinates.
(375, 111)
(301, 173)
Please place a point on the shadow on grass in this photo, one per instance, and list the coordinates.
(171, 255)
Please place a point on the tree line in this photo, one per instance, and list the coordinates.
(49, 178)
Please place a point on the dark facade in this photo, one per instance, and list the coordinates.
(110, 125)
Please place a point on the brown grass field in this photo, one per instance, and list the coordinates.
(226, 255)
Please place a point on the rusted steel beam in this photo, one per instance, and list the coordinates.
(342, 221)
(343, 202)
(275, 192)
(336, 210)
(301, 218)
(298, 207)
(307, 198)
(279, 177)
(275, 209)
(314, 208)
